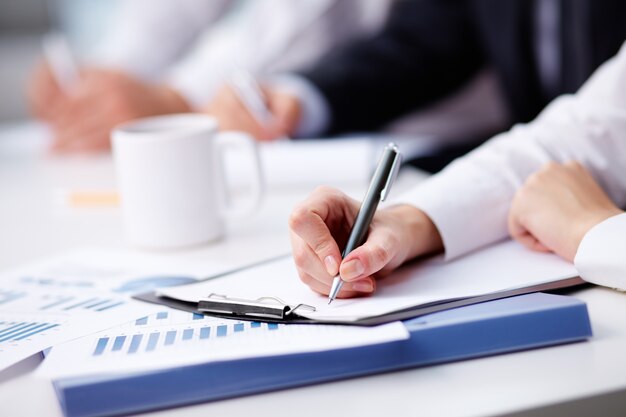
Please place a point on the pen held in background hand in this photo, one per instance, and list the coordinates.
(249, 93)
(382, 180)
(59, 56)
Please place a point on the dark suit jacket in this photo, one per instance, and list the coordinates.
(429, 48)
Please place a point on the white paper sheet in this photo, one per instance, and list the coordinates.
(500, 267)
(309, 162)
(172, 338)
(75, 294)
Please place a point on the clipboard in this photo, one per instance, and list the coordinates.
(271, 291)
(274, 310)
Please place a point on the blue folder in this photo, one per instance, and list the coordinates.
(511, 324)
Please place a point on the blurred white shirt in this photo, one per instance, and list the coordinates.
(195, 44)
(469, 201)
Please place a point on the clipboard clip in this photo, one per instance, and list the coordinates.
(264, 307)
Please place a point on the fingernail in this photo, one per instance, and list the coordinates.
(352, 269)
(331, 265)
(363, 286)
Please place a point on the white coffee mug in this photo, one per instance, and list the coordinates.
(171, 181)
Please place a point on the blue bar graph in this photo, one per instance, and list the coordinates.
(205, 332)
(118, 343)
(100, 346)
(19, 331)
(15, 331)
(141, 321)
(35, 331)
(80, 304)
(153, 339)
(97, 303)
(22, 331)
(161, 315)
(134, 343)
(198, 316)
(8, 296)
(57, 303)
(107, 307)
(11, 328)
(170, 337)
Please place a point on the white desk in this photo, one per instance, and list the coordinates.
(32, 226)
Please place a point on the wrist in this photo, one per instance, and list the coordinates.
(420, 231)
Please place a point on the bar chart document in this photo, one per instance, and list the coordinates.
(171, 338)
(76, 294)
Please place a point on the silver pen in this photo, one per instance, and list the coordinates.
(384, 176)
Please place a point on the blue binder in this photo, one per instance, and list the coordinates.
(490, 328)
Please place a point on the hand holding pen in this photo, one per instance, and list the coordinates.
(264, 112)
(320, 228)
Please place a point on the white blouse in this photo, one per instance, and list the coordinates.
(601, 256)
(469, 201)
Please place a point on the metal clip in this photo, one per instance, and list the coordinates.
(264, 307)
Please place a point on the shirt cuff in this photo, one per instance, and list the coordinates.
(600, 256)
(314, 109)
(469, 211)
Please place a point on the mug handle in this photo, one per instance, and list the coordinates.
(244, 142)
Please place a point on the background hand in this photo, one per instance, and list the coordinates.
(232, 114)
(44, 94)
(556, 208)
(102, 100)
(320, 226)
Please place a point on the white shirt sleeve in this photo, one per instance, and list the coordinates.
(600, 257)
(469, 201)
(273, 37)
(145, 37)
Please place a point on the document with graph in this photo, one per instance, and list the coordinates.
(79, 293)
(171, 338)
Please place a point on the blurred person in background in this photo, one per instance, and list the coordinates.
(170, 56)
(429, 49)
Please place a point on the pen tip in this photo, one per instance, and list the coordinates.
(330, 300)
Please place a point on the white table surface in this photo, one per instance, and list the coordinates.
(32, 226)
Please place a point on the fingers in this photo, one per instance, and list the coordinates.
(233, 114)
(320, 220)
(313, 274)
(348, 290)
(286, 110)
(522, 235)
(374, 255)
(308, 262)
(315, 226)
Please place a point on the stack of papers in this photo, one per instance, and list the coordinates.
(73, 295)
